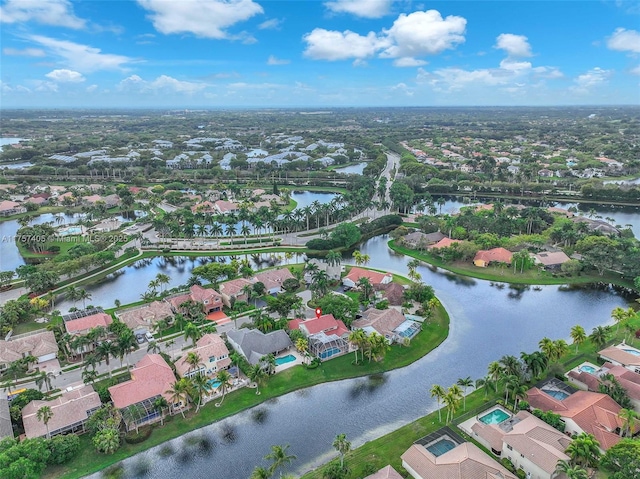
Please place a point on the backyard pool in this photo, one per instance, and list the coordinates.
(329, 352)
(635, 352)
(585, 368)
(69, 231)
(285, 359)
(560, 395)
(494, 417)
(214, 384)
(408, 329)
(438, 448)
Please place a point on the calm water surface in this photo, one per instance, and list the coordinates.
(352, 169)
(487, 322)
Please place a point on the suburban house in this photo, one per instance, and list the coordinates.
(551, 259)
(465, 461)
(273, 279)
(81, 326)
(327, 336)
(443, 243)
(333, 272)
(11, 208)
(42, 346)
(151, 378)
(235, 289)
(528, 442)
(583, 411)
(389, 323)
(224, 207)
(392, 292)
(204, 207)
(6, 429)
(210, 299)
(70, 413)
(483, 257)
(146, 316)
(214, 357)
(629, 380)
(420, 240)
(374, 277)
(254, 344)
(387, 472)
(622, 355)
(37, 200)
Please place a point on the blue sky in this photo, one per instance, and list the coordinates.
(307, 53)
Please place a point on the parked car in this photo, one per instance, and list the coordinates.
(149, 336)
(140, 338)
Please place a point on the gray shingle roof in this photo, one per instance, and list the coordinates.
(255, 344)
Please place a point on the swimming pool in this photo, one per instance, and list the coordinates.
(330, 352)
(285, 359)
(587, 369)
(438, 448)
(632, 351)
(214, 383)
(556, 394)
(409, 330)
(494, 417)
(71, 230)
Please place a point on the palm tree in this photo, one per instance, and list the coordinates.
(629, 418)
(452, 400)
(44, 415)
(357, 338)
(73, 294)
(439, 393)
(619, 316)
(302, 345)
(160, 404)
(260, 473)
(193, 359)
(279, 457)
(200, 386)
(578, 335)
(341, 445)
(83, 294)
(153, 347)
(584, 450)
(547, 347)
(495, 370)
(599, 336)
(162, 279)
(257, 375)
(44, 378)
(224, 378)
(486, 383)
(191, 331)
(105, 350)
(572, 472)
(178, 393)
(465, 383)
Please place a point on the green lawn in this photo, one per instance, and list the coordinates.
(88, 461)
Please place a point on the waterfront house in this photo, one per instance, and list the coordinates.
(224, 207)
(387, 472)
(81, 326)
(234, 289)
(551, 260)
(254, 344)
(420, 240)
(71, 410)
(375, 277)
(8, 208)
(484, 258)
(622, 355)
(214, 357)
(333, 272)
(586, 378)
(327, 336)
(389, 323)
(210, 299)
(143, 318)
(273, 279)
(443, 243)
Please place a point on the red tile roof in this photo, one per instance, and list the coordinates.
(208, 346)
(325, 323)
(500, 255)
(151, 377)
(444, 243)
(200, 294)
(234, 287)
(82, 325)
(273, 278)
(374, 277)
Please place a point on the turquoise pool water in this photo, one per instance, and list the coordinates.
(214, 384)
(440, 447)
(71, 230)
(556, 394)
(285, 359)
(494, 417)
(588, 369)
(330, 352)
(632, 351)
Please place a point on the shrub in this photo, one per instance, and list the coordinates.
(507, 464)
(63, 448)
(133, 437)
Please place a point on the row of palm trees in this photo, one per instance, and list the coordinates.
(373, 346)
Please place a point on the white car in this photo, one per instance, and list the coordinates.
(149, 336)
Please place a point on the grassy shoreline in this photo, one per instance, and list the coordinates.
(506, 275)
(290, 380)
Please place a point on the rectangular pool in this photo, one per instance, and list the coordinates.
(285, 359)
(494, 417)
(560, 395)
(438, 448)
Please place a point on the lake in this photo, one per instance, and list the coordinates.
(356, 169)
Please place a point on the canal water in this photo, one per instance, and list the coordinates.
(356, 169)
(488, 320)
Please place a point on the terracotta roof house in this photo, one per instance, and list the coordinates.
(41, 345)
(483, 258)
(273, 279)
(204, 207)
(223, 206)
(528, 442)
(151, 378)
(214, 357)
(82, 326)
(234, 289)
(382, 321)
(583, 411)
(551, 259)
(387, 472)
(37, 200)
(112, 200)
(444, 243)
(375, 277)
(254, 344)
(392, 292)
(93, 199)
(11, 208)
(622, 355)
(327, 336)
(210, 299)
(146, 316)
(629, 380)
(70, 413)
(465, 461)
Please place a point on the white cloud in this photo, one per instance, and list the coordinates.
(508, 64)
(163, 83)
(591, 79)
(410, 36)
(204, 19)
(624, 40)
(277, 61)
(48, 12)
(26, 52)
(272, 24)
(402, 87)
(65, 76)
(635, 71)
(82, 58)
(92, 88)
(548, 72)
(515, 45)
(361, 8)
(409, 62)
(332, 45)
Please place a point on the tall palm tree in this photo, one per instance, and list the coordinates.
(496, 370)
(452, 401)
(225, 383)
(357, 337)
(193, 359)
(44, 378)
(547, 347)
(84, 295)
(179, 392)
(619, 316)
(191, 331)
(584, 450)
(257, 375)
(465, 383)
(629, 418)
(160, 405)
(571, 471)
(439, 393)
(260, 473)
(44, 415)
(578, 335)
(200, 386)
(486, 383)
(343, 446)
(162, 279)
(599, 336)
(279, 458)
